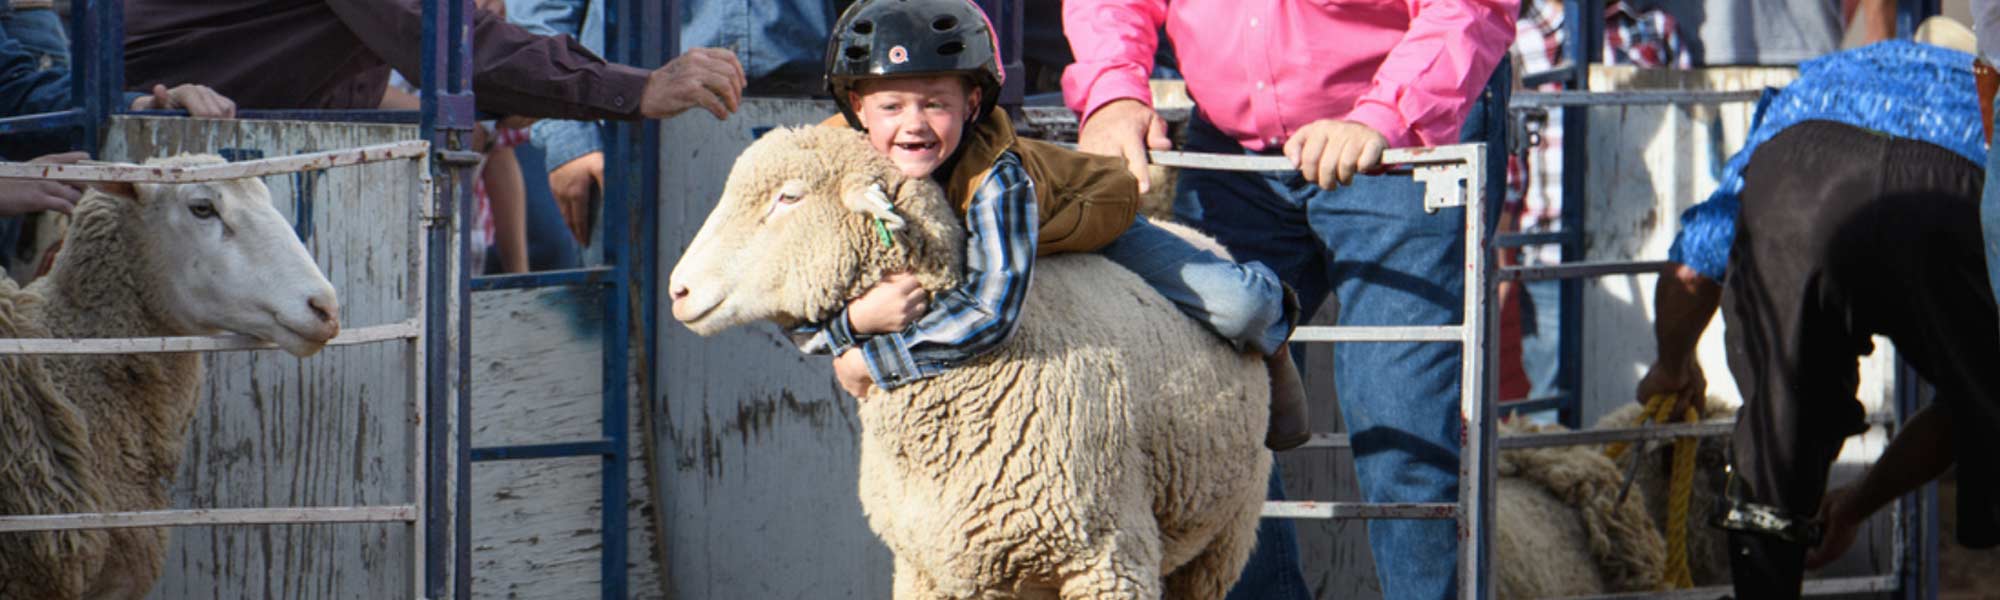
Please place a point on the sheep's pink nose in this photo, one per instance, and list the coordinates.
(679, 291)
(326, 310)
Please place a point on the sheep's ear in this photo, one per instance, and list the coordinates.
(120, 189)
(870, 195)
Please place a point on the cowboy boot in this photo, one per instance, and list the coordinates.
(1288, 428)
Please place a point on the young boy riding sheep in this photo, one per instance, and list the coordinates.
(919, 78)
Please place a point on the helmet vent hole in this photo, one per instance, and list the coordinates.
(864, 27)
(951, 48)
(944, 23)
(857, 53)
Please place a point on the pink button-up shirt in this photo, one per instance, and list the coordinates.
(1261, 69)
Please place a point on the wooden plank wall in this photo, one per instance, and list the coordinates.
(756, 451)
(333, 429)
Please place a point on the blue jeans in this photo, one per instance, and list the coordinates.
(1989, 216)
(563, 141)
(1541, 346)
(1390, 264)
(781, 43)
(1243, 303)
(41, 32)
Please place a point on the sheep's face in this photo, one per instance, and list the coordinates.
(227, 261)
(796, 233)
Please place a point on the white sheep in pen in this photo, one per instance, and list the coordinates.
(1558, 531)
(1109, 447)
(103, 433)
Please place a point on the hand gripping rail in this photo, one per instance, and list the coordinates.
(1453, 176)
(409, 332)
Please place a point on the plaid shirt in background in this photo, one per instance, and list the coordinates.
(1631, 37)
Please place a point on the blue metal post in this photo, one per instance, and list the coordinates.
(1585, 23)
(624, 39)
(447, 118)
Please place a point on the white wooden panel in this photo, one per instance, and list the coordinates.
(756, 456)
(330, 430)
(1649, 163)
(538, 378)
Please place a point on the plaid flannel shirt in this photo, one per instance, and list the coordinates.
(967, 321)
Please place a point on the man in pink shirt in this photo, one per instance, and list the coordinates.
(1329, 84)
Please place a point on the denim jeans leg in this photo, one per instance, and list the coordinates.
(1541, 349)
(1273, 572)
(1397, 265)
(1989, 217)
(41, 33)
(1257, 224)
(1243, 303)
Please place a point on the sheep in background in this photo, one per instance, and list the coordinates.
(103, 433)
(1109, 447)
(1556, 513)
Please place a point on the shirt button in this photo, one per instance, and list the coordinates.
(1260, 85)
(1253, 21)
(618, 101)
(1277, 140)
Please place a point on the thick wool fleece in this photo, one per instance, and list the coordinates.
(1111, 448)
(100, 433)
(1556, 511)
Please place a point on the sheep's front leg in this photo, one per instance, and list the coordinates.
(912, 584)
(1129, 570)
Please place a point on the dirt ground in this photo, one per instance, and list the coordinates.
(1963, 573)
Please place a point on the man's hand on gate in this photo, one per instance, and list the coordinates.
(1330, 152)
(1126, 128)
(710, 78)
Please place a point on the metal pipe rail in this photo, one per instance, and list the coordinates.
(312, 161)
(409, 332)
(1520, 100)
(1453, 176)
(1833, 586)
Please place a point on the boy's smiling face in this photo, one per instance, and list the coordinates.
(916, 121)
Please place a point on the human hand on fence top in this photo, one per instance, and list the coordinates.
(21, 197)
(199, 100)
(1126, 128)
(1330, 152)
(707, 77)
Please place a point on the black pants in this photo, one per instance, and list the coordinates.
(1846, 233)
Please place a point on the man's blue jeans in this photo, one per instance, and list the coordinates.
(1390, 264)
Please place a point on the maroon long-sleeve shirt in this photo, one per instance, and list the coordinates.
(336, 54)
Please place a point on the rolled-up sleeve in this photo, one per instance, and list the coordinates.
(1422, 91)
(1114, 42)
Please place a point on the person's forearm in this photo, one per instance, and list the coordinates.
(510, 209)
(1685, 302)
(1920, 452)
(1878, 19)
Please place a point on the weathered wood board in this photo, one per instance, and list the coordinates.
(334, 429)
(538, 377)
(757, 459)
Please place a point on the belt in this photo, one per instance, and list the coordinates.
(20, 5)
(1989, 82)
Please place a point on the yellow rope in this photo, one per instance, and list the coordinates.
(1680, 489)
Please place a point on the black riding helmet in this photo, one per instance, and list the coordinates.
(888, 38)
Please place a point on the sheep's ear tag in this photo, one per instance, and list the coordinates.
(882, 213)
